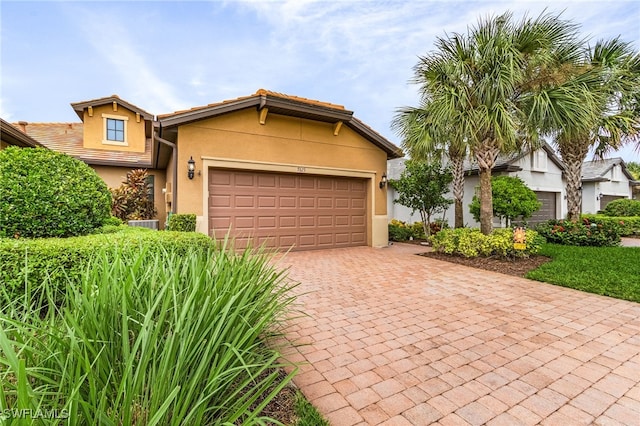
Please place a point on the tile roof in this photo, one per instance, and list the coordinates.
(596, 170)
(259, 92)
(68, 138)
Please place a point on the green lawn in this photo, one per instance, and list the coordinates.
(609, 271)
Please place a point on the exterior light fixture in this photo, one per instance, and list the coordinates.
(192, 167)
(383, 181)
(599, 197)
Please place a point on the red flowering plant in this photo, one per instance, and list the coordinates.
(585, 232)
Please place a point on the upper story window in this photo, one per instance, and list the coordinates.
(115, 130)
(539, 160)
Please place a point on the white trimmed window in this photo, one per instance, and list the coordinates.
(114, 130)
(539, 161)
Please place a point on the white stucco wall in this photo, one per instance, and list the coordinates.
(591, 190)
(548, 178)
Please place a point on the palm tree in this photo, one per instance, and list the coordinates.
(425, 141)
(489, 85)
(611, 73)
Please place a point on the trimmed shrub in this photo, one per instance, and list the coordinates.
(44, 193)
(59, 260)
(182, 222)
(584, 232)
(112, 220)
(629, 225)
(470, 242)
(622, 208)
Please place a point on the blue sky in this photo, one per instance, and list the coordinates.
(165, 56)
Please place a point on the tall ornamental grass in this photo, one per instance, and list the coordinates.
(147, 339)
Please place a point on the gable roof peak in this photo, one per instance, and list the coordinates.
(79, 107)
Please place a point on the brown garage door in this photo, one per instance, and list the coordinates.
(547, 210)
(287, 210)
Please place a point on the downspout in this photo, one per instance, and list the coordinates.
(174, 148)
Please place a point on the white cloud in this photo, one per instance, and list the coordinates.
(130, 61)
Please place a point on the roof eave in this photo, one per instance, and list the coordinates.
(17, 138)
(79, 107)
(186, 117)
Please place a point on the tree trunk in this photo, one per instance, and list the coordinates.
(486, 155)
(486, 202)
(573, 159)
(457, 170)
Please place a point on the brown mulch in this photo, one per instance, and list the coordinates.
(515, 267)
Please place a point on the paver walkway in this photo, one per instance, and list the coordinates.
(397, 339)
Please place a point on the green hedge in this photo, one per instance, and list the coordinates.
(622, 208)
(470, 242)
(33, 260)
(182, 222)
(627, 225)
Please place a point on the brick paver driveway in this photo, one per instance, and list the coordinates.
(398, 339)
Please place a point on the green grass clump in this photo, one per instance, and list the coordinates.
(307, 413)
(148, 337)
(609, 271)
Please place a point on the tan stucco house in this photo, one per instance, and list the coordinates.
(284, 170)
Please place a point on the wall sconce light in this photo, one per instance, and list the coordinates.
(192, 167)
(599, 197)
(383, 181)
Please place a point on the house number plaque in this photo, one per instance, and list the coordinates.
(302, 169)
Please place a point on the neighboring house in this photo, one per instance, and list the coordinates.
(282, 169)
(540, 170)
(12, 136)
(604, 181)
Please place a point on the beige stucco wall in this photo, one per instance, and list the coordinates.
(94, 127)
(285, 144)
(114, 176)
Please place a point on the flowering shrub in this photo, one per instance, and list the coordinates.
(581, 233)
(626, 225)
(470, 242)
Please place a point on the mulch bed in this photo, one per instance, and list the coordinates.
(515, 267)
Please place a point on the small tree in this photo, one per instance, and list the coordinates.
(421, 187)
(131, 200)
(511, 199)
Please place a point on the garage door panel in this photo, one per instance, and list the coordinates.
(287, 201)
(342, 220)
(244, 179)
(244, 201)
(307, 240)
(307, 202)
(282, 210)
(307, 221)
(220, 200)
(266, 201)
(288, 222)
(325, 221)
(245, 222)
(325, 202)
(266, 181)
